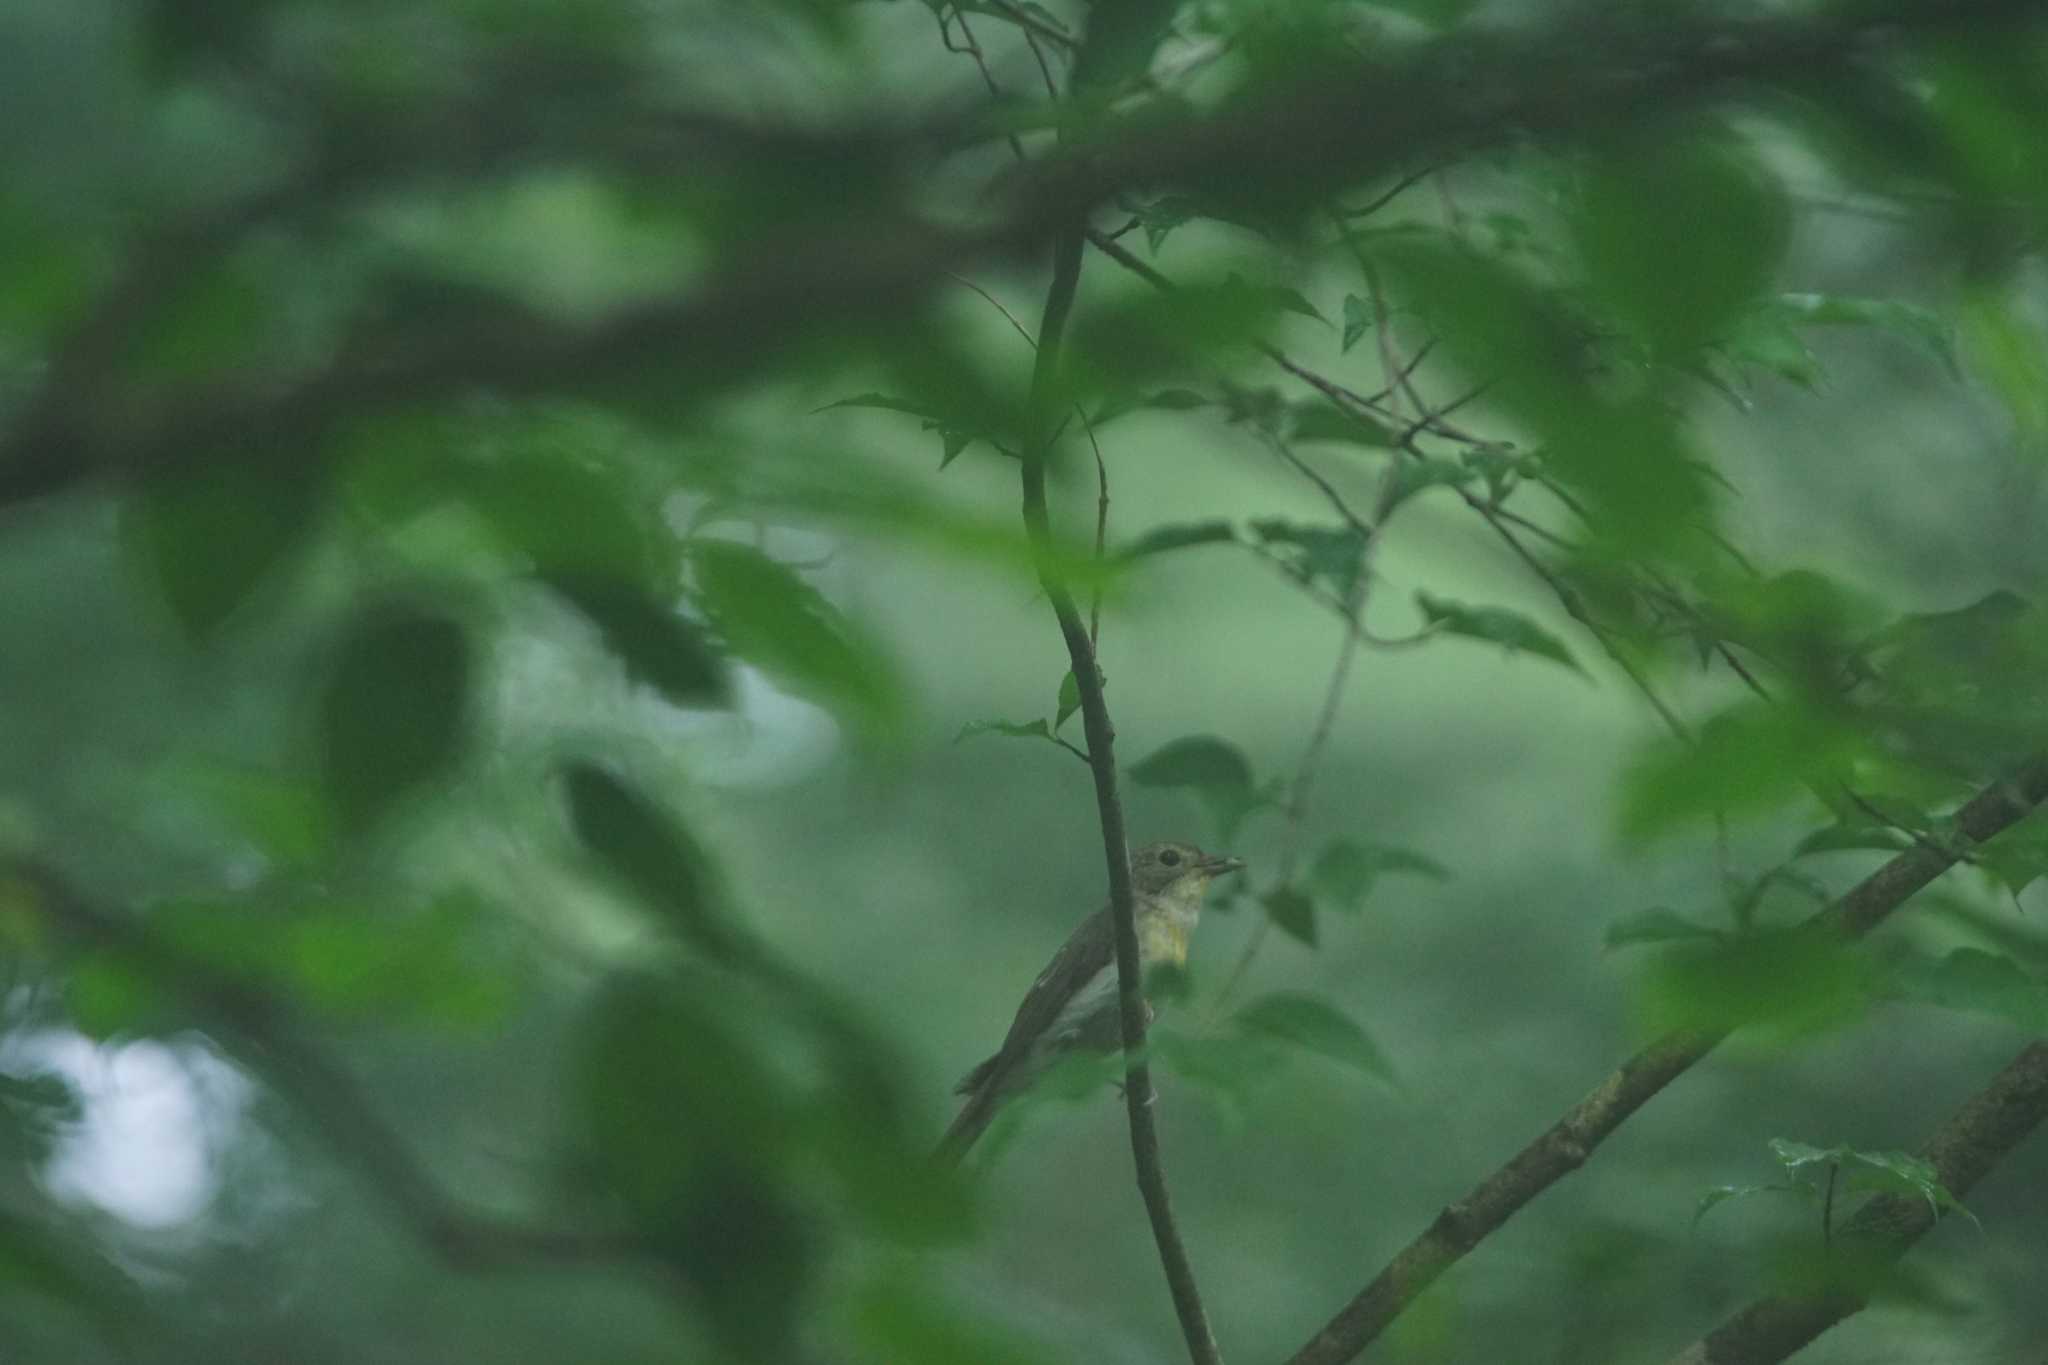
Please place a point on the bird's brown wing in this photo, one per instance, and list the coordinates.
(1087, 951)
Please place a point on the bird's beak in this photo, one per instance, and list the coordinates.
(1216, 864)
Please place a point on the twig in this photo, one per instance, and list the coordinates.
(1101, 735)
(1983, 1132)
(1571, 1140)
(996, 304)
(1101, 527)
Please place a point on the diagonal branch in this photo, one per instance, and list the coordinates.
(1138, 1095)
(1566, 1145)
(1980, 1134)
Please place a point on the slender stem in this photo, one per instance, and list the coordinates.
(1138, 1094)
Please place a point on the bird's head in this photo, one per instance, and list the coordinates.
(1181, 870)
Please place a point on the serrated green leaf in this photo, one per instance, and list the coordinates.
(1655, 926)
(1496, 624)
(1293, 911)
(1318, 1027)
(393, 710)
(656, 645)
(1917, 324)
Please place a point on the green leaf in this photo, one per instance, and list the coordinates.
(1215, 771)
(1978, 981)
(1068, 701)
(657, 646)
(1678, 235)
(772, 618)
(1313, 554)
(1165, 400)
(1920, 325)
(1346, 871)
(207, 533)
(1160, 539)
(1720, 1194)
(107, 994)
(1318, 419)
(1037, 729)
(393, 713)
(1412, 476)
(1751, 759)
(568, 516)
(1293, 911)
(1318, 1027)
(1358, 320)
(1851, 838)
(1120, 40)
(651, 854)
(1497, 624)
(1655, 926)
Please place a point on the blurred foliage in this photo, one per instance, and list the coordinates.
(436, 438)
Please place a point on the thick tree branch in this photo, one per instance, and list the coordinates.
(1564, 1147)
(1309, 133)
(1138, 1094)
(1987, 1128)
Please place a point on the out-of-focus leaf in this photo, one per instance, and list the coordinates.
(1677, 235)
(772, 618)
(1788, 983)
(1913, 323)
(1165, 400)
(1497, 624)
(1315, 555)
(1655, 926)
(657, 646)
(1431, 471)
(107, 994)
(1215, 771)
(1357, 320)
(906, 1322)
(1230, 1069)
(285, 818)
(207, 533)
(652, 854)
(1975, 980)
(569, 517)
(1293, 911)
(1318, 419)
(1720, 1194)
(1160, 539)
(1851, 838)
(393, 710)
(1346, 871)
(1318, 1027)
(1753, 758)
(2008, 351)
(1120, 39)
(1009, 729)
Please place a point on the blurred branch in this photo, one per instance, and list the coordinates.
(1101, 735)
(1567, 1144)
(1314, 131)
(1993, 1122)
(334, 1105)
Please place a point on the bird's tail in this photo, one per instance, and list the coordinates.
(974, 1118)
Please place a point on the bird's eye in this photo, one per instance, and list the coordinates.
(1170, 858)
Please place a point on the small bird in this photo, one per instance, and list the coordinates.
(1073, 1003)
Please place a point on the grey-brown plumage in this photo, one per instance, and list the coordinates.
(1073, 1003)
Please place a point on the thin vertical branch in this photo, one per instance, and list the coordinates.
(1138, 1094)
